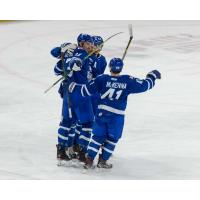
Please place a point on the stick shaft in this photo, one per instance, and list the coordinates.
(129, 42)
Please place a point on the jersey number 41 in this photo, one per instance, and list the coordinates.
(112, 94)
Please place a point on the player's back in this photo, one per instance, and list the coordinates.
(114, 91)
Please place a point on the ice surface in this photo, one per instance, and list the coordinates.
(162, 131)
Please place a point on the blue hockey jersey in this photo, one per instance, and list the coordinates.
(114, 91)
(80, 77)
(97, 65)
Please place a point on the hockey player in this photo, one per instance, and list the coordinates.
(77, 70)
(66, 129)
(109, 120)
(98, 65)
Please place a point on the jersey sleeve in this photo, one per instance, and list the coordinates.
(103, 65)
(140, 85)
(100, 65)
(58, 69)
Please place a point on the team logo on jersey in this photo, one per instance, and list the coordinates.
(77, 54)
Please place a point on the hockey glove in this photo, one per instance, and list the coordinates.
(68, 48)
(155, 74)
(75, 64)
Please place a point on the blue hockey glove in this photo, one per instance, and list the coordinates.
(55, 52)
(75, 64)
(155, 74)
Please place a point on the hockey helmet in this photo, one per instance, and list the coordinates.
(116, 65)
(98, 41)
(84, 38)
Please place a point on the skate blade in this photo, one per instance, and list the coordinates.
(71, 163)
(106, 167)
(61, 163)
(88, 170)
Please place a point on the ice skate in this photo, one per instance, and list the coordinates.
(81, 156)
(88, 163)
(61, 155)
(103, 163)
(70, 153)
(76, 148)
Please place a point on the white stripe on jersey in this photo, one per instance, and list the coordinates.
(64, 128)
(60, 70)
(95, 142)
(71, 135)
(71, 87)
(84, 138)
(152, 74)
(62, 137)
(87, 129)
(93, 149)
(78, 132)
(82, 91)
(73, 126)
(149, 86)
(108, 150)
(113, 143)
(152, 83)
(111, 109)
(88, 93)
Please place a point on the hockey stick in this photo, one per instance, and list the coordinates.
(102, 44)
(130, 39)
(62, 58)
(53, 84)
(83, 59)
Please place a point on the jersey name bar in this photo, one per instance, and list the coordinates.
(116, 85)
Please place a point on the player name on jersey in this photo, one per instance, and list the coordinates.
(116, 85)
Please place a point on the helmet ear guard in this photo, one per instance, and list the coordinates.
(116, 65)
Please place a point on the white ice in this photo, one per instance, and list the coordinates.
(161, 138)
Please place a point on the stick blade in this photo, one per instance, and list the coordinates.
(130, 29)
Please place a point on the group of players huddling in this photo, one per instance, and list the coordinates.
(94, 103)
